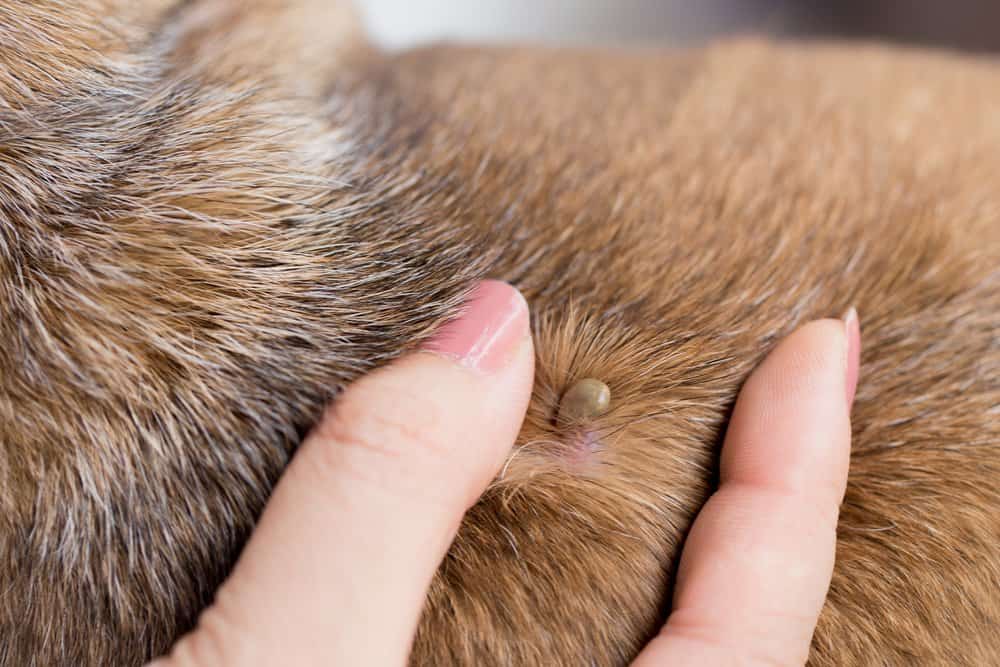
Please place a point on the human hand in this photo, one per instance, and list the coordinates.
(756, 566)
(339, 564)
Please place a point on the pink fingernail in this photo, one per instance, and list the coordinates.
(487, 334)
(852, 328)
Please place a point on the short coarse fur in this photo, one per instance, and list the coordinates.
(213, 214)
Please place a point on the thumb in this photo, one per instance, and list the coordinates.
(338, 567)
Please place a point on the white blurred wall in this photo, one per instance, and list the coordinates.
(397, 23)
(969, 24)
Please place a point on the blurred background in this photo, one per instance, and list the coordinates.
(964, 24)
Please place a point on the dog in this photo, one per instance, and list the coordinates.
(215, 214)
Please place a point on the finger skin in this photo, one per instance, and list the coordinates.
(757, 564)
(337, 570)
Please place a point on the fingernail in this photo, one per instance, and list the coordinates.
(489, 332)
(852, 328)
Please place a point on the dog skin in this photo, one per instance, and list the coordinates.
(214, 215)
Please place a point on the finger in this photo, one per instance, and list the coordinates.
(338, 567)
(757, 564)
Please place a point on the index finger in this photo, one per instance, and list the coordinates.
(337, 570)
(757, 564)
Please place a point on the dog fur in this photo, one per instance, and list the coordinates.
(216, 213)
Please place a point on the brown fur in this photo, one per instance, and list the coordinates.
(203, 234)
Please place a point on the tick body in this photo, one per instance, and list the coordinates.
(584, 400)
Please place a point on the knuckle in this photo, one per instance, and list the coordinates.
(812, 510)
(383, 425)
(217, 640)
(759, 646)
